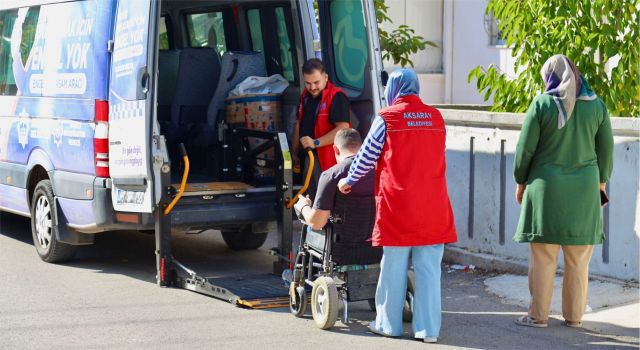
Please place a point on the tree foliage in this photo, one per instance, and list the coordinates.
(589, 32)
(401, 42)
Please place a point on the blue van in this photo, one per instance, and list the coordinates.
(97, 95)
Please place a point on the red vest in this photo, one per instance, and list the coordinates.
(326, 157)
(412, 203)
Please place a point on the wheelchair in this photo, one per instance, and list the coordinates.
(339, 265)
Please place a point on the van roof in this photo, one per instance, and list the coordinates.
(11, 4)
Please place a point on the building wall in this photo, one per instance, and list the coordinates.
(481, 188)
(460, 30)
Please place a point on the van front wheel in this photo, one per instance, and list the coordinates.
(244, 238)
(44, 226)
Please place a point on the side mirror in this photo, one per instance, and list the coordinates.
(384, 76)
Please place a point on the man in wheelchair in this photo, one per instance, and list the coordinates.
(335, 256)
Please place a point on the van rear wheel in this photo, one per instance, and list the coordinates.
(244, 238)
(44, 226)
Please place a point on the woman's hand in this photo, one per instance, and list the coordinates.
(520, 192)
(343, 186)
(603, 187)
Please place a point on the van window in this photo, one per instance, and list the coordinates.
(278, 48)
(7, 21)
(285, 45)
(163, 39)
(7, 81)
(28, 33)
(207, 29)
(255, 30)
(349, 42)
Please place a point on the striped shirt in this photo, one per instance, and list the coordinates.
(368, 155)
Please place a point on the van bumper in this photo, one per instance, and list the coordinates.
(196, 212)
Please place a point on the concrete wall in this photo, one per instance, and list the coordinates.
(482, 190)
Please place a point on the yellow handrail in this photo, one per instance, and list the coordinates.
(183, 184)
(306, 180)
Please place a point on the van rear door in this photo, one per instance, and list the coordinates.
(351, 52)
(131, 105)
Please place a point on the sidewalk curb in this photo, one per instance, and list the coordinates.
(490, 262)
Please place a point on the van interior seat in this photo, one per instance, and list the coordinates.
(198, 75)
(168, 61)
(289, 101)
(236, 67)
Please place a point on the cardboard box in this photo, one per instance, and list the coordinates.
(259, 112)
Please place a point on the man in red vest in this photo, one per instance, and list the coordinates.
(323, 111)
(406, 146)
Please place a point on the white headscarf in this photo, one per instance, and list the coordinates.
(564, 82)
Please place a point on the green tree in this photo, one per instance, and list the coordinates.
(400, 43)
(589, 32)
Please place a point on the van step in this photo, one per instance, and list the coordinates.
(201, 188)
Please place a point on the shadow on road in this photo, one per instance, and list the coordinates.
(131, 253)
(472, 318)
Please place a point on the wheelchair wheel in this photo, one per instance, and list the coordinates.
(407, 312)
(297, 300)
(324, 302)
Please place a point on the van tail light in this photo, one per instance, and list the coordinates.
(101, 138)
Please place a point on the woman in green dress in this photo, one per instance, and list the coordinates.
(563, 160)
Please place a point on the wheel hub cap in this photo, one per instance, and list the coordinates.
(43, 222)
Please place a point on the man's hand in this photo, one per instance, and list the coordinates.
(302, 201)
(520, 192)
(307, 142)
(343, 186)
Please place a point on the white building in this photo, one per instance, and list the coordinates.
(465, 36)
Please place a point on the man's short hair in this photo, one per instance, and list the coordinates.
(313, 65)
(348, 139)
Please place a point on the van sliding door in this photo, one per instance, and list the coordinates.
(351, 52)
(130, 105)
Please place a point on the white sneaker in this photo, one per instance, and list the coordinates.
(430, 340)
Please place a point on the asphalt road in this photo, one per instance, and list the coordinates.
(107, 299)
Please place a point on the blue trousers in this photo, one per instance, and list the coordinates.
(392, 286)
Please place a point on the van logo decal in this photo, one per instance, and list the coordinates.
(57, 134)
(23, 130)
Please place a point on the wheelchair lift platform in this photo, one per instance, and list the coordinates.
(260, 291)
(252, 291)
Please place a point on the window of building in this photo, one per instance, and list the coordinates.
(491, 27)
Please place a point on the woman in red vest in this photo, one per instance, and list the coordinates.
(406, 146)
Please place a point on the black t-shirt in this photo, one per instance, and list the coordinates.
(339, 112)
(328, 185)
